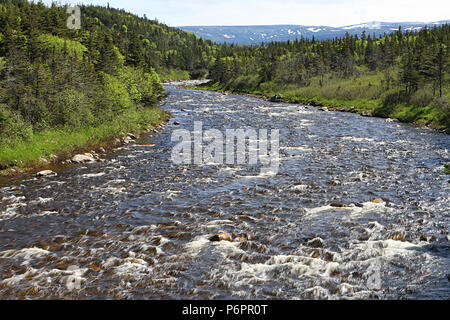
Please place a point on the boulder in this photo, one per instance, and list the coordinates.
(334, 183)
(83, 158)
(46, 173)
(276, 98)
(225, 236)
(338, 204)
(315, 243)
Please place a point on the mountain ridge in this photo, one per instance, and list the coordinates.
(255, 34)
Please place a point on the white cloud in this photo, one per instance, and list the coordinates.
(266, 12)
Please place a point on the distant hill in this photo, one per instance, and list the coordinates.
(258, 34)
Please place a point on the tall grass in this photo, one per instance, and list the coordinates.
(63, 142)
(174, 75)
(367, 93)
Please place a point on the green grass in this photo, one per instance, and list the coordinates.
(365, 94)
(174, 75)
(63, 142)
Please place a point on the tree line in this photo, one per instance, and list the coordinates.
(52, 76)
(411, 68)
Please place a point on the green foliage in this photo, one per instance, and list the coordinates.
(442, 105)
(422, 97)
(62, 142)
(65, 85)
(2, 64)
(113, 98)
(12, 126)
(398, 75)
(50, 44)
(143, 87)
(173, 75)
(447, 168)
(74, 109)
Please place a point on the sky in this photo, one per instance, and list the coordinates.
(335, 13)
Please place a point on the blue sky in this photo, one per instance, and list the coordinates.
(269, 12)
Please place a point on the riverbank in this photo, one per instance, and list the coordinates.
(54, 147)
(174, 75)
(426, 116)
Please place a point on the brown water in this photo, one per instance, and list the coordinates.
(137, 226)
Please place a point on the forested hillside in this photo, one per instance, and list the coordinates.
(402, 75)
(54, 80)
(147, 43)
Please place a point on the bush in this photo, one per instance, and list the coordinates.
(245, 83)
(269, 87)
(392, 97)
(73, 109)
(113, 97)
(198, 74)
(142, 87)
(35, 111)
(421, 98)
(2, 64)
(49, 44)
(12, 126)
(443, 107)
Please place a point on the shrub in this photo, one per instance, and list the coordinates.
(12, 126)
(198, 74)
(50, 44)
(113, 97)
(443, 107)
(73, 109)
(141, 86)
(2, 64)
(421, 98)
(35, 111)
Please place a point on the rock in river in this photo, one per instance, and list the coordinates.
(46, 173)
(225, 236)
(83, 158)
(338, 204)
(315, 243)
(276, 98)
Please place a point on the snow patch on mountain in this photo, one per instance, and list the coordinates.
(268, 33)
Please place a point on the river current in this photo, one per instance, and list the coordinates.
(359, 209)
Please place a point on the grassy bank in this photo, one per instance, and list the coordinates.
(365, 94)
(52, 145)
(174, 75)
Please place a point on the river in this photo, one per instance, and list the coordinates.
(137, 226)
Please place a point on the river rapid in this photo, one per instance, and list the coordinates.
(359, 209)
